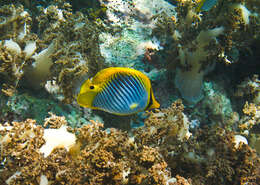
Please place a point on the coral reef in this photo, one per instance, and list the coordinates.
(249, 123)
(64, 50)
(23, 106)
(250, 90)
(212, 155)
(196, 41)
(130, 42)
(161, 152)
(98, 157)
(14, 25)
(78, 53)
(170, 123)
(251, 116)
(207, 56)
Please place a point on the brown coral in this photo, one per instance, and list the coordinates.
(207, 157)
(250, 118)
(77, 55)
(112, 157)
(249, 89)
(167, 125)
(74, 54)
(103, 157)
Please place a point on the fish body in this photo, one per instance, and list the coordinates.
(206, 5)
(118, 90)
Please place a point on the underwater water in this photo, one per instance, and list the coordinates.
(131, 92)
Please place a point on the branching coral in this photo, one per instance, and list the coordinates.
(249, 124)
(77, 46)
(77, 54)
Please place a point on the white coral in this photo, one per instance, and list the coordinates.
(57, 138)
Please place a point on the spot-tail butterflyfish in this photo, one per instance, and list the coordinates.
(118, 90)
(206, 5)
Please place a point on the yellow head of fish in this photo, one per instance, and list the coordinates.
(118, 90)
(87, 93)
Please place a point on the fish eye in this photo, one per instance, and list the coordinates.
(91, 87)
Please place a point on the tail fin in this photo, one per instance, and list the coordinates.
(153, 104)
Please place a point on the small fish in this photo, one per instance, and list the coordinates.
(118, 90)
(206, 5)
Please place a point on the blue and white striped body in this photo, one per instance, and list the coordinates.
(122, 95)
